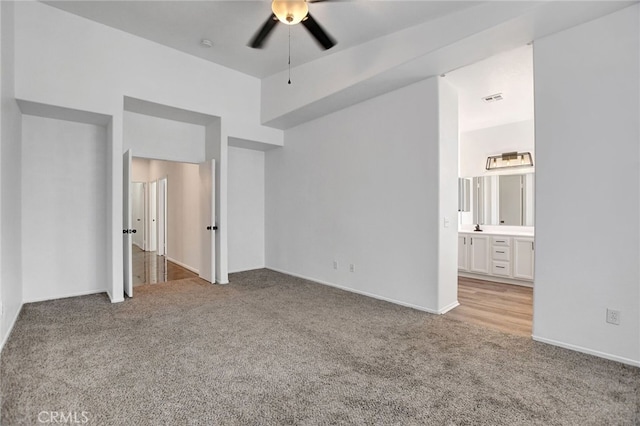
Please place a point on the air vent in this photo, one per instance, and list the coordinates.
(493, 98)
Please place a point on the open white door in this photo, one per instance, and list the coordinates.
(208, 221)
(162, 217)
(126, 223)
(153, 215)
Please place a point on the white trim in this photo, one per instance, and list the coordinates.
(363, 293)
(115, 300)
(495, 279)
(449, 307)
(10, 329)
(635, 363)
(65, 296)
(248, 269)
(184, 265)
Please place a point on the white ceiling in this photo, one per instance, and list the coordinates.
(509, 73)
(231, 24)
(397, 42)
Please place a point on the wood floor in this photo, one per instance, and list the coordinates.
(504, 307)
(149, 268)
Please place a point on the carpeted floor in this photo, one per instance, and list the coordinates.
(273, 349)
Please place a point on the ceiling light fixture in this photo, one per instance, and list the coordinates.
(290, 12)
(509, 159)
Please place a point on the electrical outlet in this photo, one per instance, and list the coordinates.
(352, 268)
(613, 316)
(335, 264)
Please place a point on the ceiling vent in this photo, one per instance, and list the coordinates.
(493, 98)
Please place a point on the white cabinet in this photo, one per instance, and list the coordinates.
(505, 258)
(479, 254)
(501, 256)
(523, 258)
(463, 256)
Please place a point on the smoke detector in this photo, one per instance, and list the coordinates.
(493, 98)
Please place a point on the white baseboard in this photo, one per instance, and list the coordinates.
(64, 296)
(253, 268)
(635, 363)
(363, 293)
(449, 307)
(115, 299)
(184, 265)
(496, 279)
(10, 329)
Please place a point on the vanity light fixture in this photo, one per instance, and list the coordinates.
(509, 159)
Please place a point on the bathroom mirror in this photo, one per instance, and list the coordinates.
(503, 199)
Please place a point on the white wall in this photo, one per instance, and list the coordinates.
(183, 207)
(64, 232)
(588, 186)
(116, 64)
(477, 145)
(162, 139)
(447, 196)
(10, 185)
(246, 209)
(140, 169)
(361, 186)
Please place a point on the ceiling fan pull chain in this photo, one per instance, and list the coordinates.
(289, 55)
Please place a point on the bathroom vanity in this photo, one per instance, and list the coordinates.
(497, 256)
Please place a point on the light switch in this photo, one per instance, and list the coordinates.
(446, 222)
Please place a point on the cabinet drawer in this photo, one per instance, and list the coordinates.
(501, 241)
(501, 253)
(501, 268)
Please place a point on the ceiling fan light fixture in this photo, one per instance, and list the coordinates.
(290, 12)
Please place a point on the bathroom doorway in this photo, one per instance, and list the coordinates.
(496, 233)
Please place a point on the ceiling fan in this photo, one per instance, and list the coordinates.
(292, 12)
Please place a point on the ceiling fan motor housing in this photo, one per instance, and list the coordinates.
(290, 12)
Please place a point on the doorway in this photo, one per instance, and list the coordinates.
(177, 202)
(495, 221)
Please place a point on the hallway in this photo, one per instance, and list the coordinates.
(149, 268)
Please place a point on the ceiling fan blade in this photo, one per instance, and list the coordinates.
(318, 32)
(263, 33)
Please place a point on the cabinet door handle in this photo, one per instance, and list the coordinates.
(499, 241)
(471, 240)
(532, 248)
(501, 267)
(465, 240)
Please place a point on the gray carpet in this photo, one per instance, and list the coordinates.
(273, 349)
